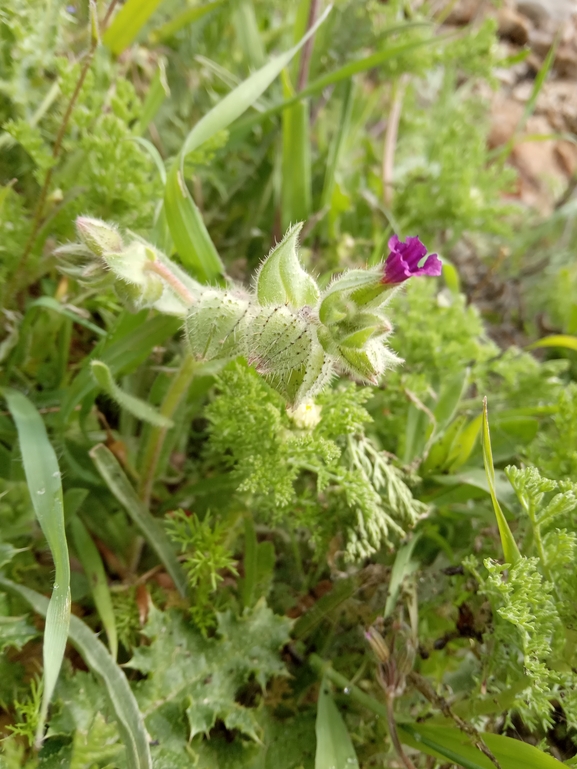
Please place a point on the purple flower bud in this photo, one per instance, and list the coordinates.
(403, 261)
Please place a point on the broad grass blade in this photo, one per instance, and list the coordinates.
(43, 479)
(510, 549)
(136, 406)
(94, 653)
(191, 238)
(334, 747)
(296, 162)
(94, 570)
(127, 24)
(150, 527)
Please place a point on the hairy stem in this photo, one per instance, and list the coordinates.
(172, 400)
(170, 278)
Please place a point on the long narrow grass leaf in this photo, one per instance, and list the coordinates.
(296, 162)
(189, 233)
(150, 527)
(555, 340)
(332, 78)
(510, 549)
(45, 487)
(94, 653)
(94, 570)
(136, 406)
(127, 24)
(183, 19)
(122, 352)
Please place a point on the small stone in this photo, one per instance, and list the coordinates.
(464, 12)
(566, 61)
(505, 118)
(566, 155)
(513, 26)
(540, 42)
(542, 11)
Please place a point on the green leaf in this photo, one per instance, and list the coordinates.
(281, 278)
(138, 408)
(127, 24)
(510, 549)
(100, 662)
(296, 161)
(150, 527)
(122, 352)
(197, 677)
(15, 632)
(191, 238)
(343, 73)
(555, 340)
(52, 304)
(448, 742)
(334, 747)
(43, 479)
(403, 567)
(94, 569)
(181, 20)
(187, 228)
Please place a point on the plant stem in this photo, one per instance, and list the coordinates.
(172, 400)
(169, 277)
(57, 147)
(308, 47)
(391, 140)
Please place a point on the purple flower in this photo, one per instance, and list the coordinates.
(403, 261)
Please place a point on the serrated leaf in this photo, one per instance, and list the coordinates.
(188, 674)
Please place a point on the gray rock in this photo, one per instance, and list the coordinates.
(545, 10)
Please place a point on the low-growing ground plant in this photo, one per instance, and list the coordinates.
(253, 511)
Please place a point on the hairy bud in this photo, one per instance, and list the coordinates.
(98, 236)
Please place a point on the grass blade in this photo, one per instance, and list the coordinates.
(43, 479)
(122, 351)
(150, 527)
(238, 101)
(334, 747)
(127, 24)
(98, 659)
(189, 233)
(296, 162)
(191, 238)
(510, 549)
(555, 340)
(158, 92)
(136, 406)
(94, 570)
(332, 78)
(166, 31)
(248, 36)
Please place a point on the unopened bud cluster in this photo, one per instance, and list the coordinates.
(294, 335)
